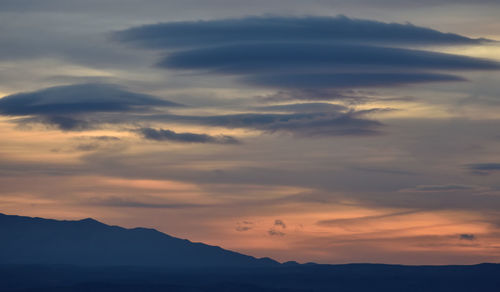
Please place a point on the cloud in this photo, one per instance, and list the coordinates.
(103, 138)
(466, 236)
(274, 232)
(71, 107)
(306, 124)
(126, 203)
(93, 143)
(347, 96)
(77, 99)
(62, 122)
(442, 188)
(244, 226)
(346, 222)
(281, 57)
(303, 107)
(483, 168)
(88, 106)
(168, 135)
(347, 80)
(316, 94)
(279, 29)
(87, 146)
(322, 52)
(280, 223)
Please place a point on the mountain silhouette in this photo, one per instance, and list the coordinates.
(44, 255)
(87, 242)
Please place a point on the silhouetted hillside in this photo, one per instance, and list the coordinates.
(26, 240)
(300, 278)
(38, 255)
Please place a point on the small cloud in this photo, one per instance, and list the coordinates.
(274, 232)
(303, 108)
(344, 222)
(244, 226)
(62, 123)
(279, 223)
(483, 168)
(168, 135)
(126, 203)
(87, 147)
(346, 80)
(442, 188)
(317, 94)
(303, 124)
(92, 143)
(467, 236)
(106, 138)
(97, 138)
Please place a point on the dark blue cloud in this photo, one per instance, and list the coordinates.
(325, 65)
(87, 106)
(64, 123)
(77, 99)
(333, 123)
(168, 135)
(305, 57)
(308, 52)
(467, 236)
(279, 29)
(78, 107)
(483, 168)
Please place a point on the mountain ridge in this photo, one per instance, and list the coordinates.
(88, 242)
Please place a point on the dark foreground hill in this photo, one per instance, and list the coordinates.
(26, 240)
(301, 278)
(38, 255)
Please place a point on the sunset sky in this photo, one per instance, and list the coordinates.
(316, 131)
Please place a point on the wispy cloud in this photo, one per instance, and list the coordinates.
(168, 135)
(483, 168)
(467, 236)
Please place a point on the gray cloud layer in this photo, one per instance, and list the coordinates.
(68, 107)
(484, 168)
(85, 106)
(305, 124)
(76, 99)
(303, 107)
(279, 57)
(346, 80)
(168, 135)
(279, 29)
(320, 51)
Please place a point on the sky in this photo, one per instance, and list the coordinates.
(315, 131)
